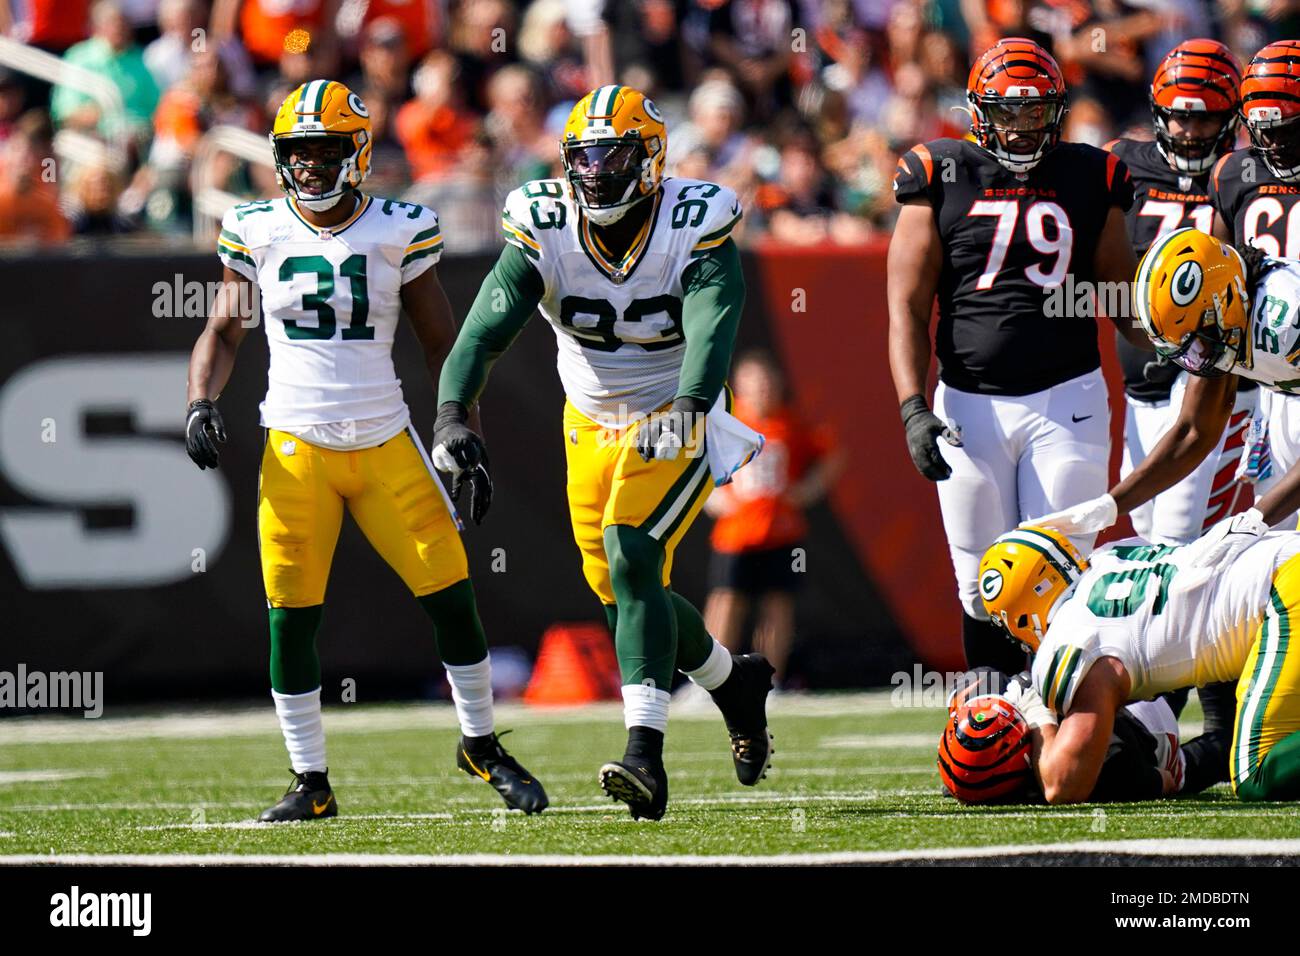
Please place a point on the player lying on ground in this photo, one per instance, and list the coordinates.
(335, 267)
(1141, 619)
(641, 283)
(990, 746)
(989, 228)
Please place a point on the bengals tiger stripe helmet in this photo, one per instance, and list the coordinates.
(1025, 575)
(1198, 83)
(327, 111)
(614, 148)
(1017, 102)
(984, 751)
(1191, 298)
(1270, 104)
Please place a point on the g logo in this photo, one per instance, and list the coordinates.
(1186, 284)
(355, 104)
(651, 110)
(990, 584)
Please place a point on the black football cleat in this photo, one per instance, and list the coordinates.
(742, 698)
(308, 798)
(485, 758)
(640, 783)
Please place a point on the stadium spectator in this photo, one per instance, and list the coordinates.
(800, 207)
(760, 515)
(385, 64)
(853, 73)
(12, 100)
(93, 195)
(264, 25)
(713, 136)
(547, 44)
(29, 194)
(111, 52)
(1108, 49)
(418, 21)
(482, 41)
(168, 57)
(516, 125)
(753, 40)
(434, 128)
(50, 25)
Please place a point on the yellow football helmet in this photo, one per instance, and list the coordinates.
(326, 111)
(1191, 298)
(614, 148)
(1024, 577)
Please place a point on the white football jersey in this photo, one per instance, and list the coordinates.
(618, 324)
(1131, 605)
(330, 303)
(1271, 347)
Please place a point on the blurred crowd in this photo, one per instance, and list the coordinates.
(802, 106)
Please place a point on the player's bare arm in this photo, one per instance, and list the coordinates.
(211, 362)
(915, 261)
(1073, 752)
(1114, 263)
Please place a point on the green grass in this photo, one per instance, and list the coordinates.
(851, 773)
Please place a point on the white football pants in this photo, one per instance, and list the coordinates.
(1282, 412)
(1022, 456)
(1209, 494)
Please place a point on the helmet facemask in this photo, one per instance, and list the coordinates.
(1278, 143)
(327, 161)
(607, 175)
(1018, 130)
(1204, 136)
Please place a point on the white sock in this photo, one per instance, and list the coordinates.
(645, 706)
(304, 735)
(715, 670)
(471, 689)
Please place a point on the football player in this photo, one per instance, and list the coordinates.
(992, 228)
(640, 280)
(334, 268)
(994, 735)
(1194, 97)
(1139, 619)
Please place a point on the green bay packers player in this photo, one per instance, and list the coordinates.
(334, 268)
(1136, 620)
(641, 282)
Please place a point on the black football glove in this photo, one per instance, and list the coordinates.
(469, 453)
(202, 425)
(923, 428)
(665, 434)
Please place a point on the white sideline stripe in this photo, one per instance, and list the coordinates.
(1161, 848)
(880, 741)
(258, 721)
(42, 776)
(409, 819)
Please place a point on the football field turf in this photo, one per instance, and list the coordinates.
(853, 780)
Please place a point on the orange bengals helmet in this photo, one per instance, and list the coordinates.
(1198, 84)
(984, 751)
(1017, 102)
(1270, 104)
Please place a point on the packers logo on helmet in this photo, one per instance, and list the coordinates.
(1192, 301)
(614, 148)
(322, 131)
(1024, 577)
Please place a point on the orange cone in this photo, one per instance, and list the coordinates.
(575, 665)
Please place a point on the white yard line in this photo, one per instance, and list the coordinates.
(1159, 848)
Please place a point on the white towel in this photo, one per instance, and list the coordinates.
(729, 442)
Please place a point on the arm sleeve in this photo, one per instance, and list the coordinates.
(714, 296)
(504, 304)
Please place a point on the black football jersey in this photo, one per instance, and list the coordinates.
(1257, 207)
(1008, 244)
(1164, 199)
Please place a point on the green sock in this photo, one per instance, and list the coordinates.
(645, 636)
(295, 665)
(694, 645)
(1278, 775)
(457, 630)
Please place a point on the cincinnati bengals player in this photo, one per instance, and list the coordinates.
(991, 228)
(1194, 98)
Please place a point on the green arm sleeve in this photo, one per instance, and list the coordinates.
(714, 296)
(504, 304)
